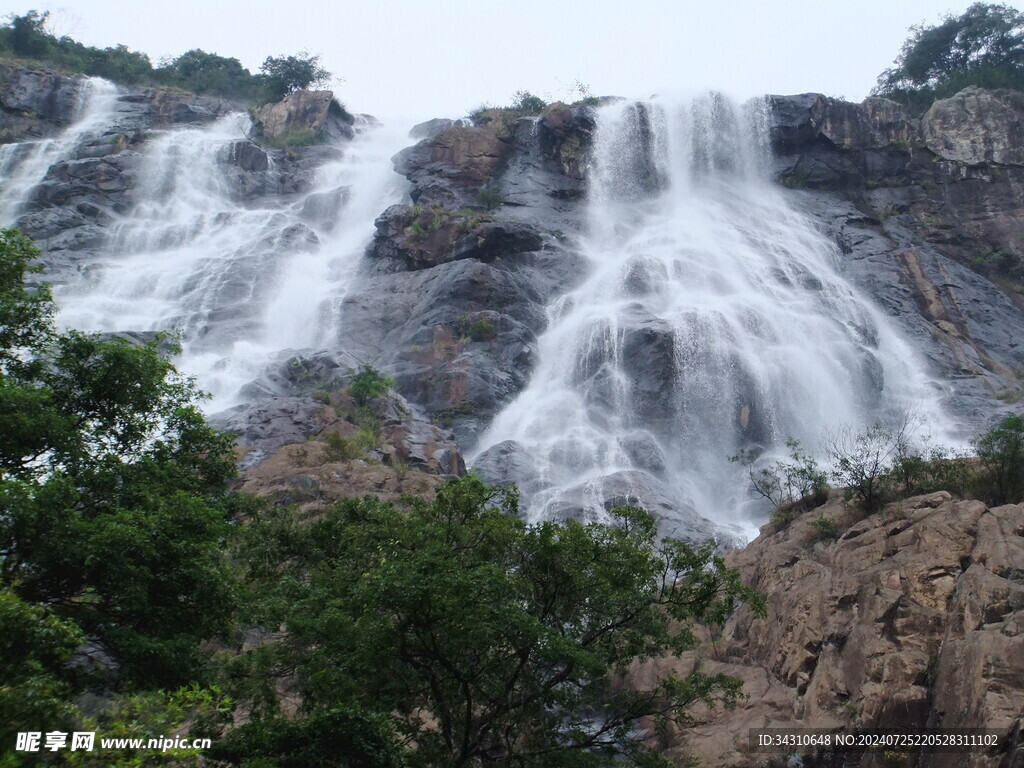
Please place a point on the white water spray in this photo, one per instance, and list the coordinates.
(713, 320)
(240, 281)
(23, 165)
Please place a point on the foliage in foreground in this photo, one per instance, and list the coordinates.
(114, 511)
(427, 633)
(477, 637)
(984, 46)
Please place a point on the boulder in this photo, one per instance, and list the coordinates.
(247, 155)
(430, 128)
(977, 126)
(303, 117)
(454, 166)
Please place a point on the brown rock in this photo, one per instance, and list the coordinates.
(310, 453)
(911, 619)
(303, 117)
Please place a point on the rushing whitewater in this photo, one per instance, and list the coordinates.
(714, 319)
(240, 280)
(24, 165)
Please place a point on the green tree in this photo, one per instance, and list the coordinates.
(35, 646)
(114, 501)
(202, 72)
(983, 46)
(1001, 451)
(481, 639)
(369, 384)
(28, 35)
(286, 74)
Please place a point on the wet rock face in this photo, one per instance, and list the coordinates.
(417, 237)
(459, 281)
(452, 167)
(35, 103)
(928, 214)
(913, 616)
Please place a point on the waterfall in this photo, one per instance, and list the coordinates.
(714, 319)
(241, 273)
(23, 165)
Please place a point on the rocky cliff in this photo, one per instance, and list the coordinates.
(912, 618)
(929, 215)
(459, 280)
(927, 212)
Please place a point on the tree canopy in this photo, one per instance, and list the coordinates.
(477, 637)
(983, 46)
(114, 499)
(286, 74)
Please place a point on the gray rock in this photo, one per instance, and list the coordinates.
(509, 462)
(36, 103)
(269, 424)
(430, 128)
(977, 126)
(246, 155)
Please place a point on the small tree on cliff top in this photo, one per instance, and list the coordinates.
(286, 74)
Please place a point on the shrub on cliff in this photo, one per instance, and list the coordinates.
(27, 37)
(477, 637)
(792, 486)
(369, 384)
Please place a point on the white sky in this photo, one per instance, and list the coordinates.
(402, 58)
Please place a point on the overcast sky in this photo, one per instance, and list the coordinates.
(401, 58)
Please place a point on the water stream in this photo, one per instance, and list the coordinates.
(23, 165)
(714, 319)
(242, 275)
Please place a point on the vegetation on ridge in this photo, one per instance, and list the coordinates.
(984, 46)
(885, 463)
(27, 39)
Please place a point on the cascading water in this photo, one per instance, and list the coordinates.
(713, 320)
(24, 165)
(241, 281)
